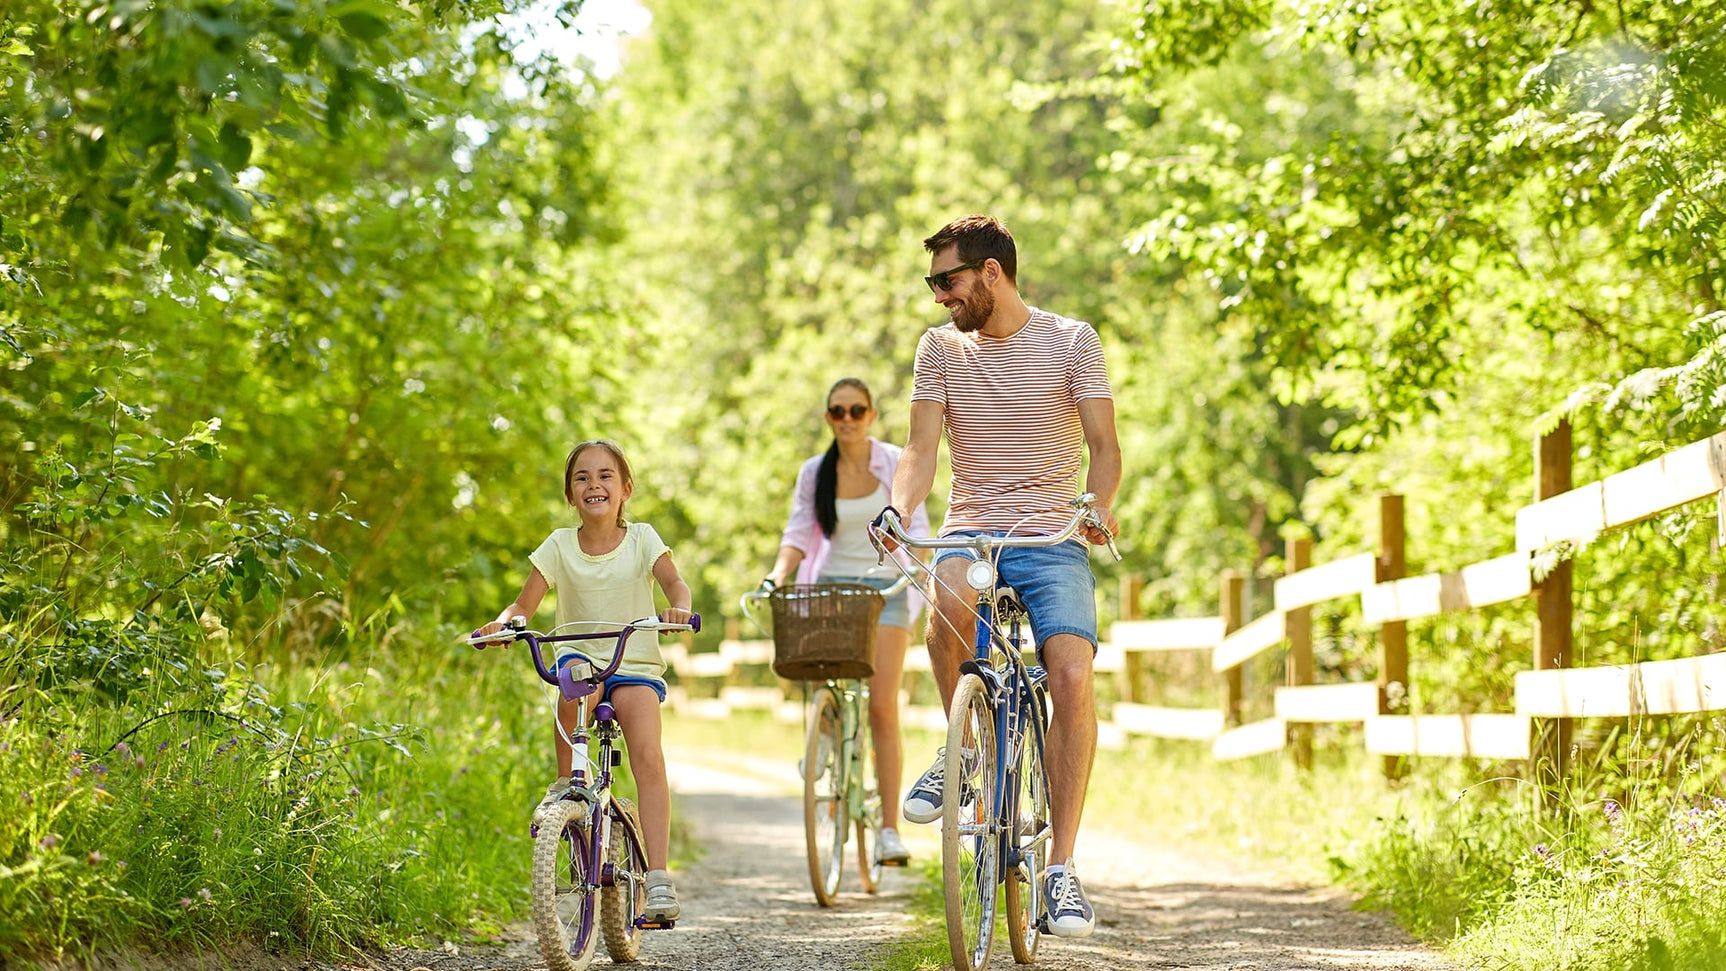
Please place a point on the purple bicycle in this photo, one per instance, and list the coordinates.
(589, 858)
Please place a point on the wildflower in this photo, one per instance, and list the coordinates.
(138, 761)
(216, 834)
(1541, 850)
(353, 792)
(1614, 813)
(76, 771)
(100, 769)
(186, 903)
(95, 858)
(204, 892)
(122, 748)
(49, 842)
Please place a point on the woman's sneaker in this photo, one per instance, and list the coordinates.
(1070, 914)
(662, 906)
(890, 851)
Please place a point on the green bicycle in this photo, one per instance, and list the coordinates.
(824, 635)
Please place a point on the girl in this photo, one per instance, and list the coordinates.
(838, 493)
(604, 571)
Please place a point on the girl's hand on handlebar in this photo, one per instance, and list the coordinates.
(675, 615)
(487, 630)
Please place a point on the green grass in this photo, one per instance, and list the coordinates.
(374, 800)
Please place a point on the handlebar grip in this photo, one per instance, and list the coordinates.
(695, 623)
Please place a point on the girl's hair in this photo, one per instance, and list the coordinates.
(827, 476)
(616, 451)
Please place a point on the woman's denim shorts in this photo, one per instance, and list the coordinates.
(897, 612)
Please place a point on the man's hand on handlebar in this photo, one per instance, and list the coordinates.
(879, 533)
(1111, 528)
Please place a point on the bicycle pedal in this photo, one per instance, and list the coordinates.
(654, 925)
(897, 864)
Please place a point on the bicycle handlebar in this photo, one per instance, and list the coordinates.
(517, 631)
(1086, 515)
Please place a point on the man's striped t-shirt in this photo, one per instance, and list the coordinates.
(1012, 420)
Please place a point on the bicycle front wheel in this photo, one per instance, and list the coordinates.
(824, 812)
(623, 895)
(1032, 836)
(970, 835)
(563, 885)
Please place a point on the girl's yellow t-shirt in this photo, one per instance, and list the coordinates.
(614, 587)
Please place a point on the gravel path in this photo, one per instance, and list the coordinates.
(747, 903)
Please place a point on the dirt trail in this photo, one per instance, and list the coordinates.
(747, 902)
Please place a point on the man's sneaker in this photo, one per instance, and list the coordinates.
(923, 801)
(890, 851)
(662, 903)
(1070, 914)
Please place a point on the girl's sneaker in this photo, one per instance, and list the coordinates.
(662, 903)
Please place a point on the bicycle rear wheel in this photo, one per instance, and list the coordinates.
(824, 812)
(970, 836)
(563, 885)
(623, 894)
(1024, 881)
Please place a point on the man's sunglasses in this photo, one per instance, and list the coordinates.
(944, 279)
(837, 412)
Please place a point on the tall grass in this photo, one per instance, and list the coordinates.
(312, 807)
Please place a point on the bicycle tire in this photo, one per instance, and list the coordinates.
(825, 816)
(869, 865)
(563, 883)
(1032, 835)
(970, 836)
(623, 894)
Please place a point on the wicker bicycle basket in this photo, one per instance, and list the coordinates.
(825, 630)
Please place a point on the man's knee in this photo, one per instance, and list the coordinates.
(1069, 661)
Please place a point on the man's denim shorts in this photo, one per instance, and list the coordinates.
(897, 612)
(1055, 582)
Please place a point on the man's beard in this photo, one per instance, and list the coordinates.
(975, 311)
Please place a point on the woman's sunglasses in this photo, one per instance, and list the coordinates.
(837, 412)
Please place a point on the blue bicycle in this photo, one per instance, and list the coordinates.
(995, 829)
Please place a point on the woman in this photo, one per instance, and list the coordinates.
(838, 493)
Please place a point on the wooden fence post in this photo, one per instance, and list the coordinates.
(1552, 622)
(1297, 627)
(1132, 662)
(1393, 636)
(1233, 584)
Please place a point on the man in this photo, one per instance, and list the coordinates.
(1017, 391)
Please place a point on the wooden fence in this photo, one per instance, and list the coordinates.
(1549, 695)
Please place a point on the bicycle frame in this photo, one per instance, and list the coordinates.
(1013, 688)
